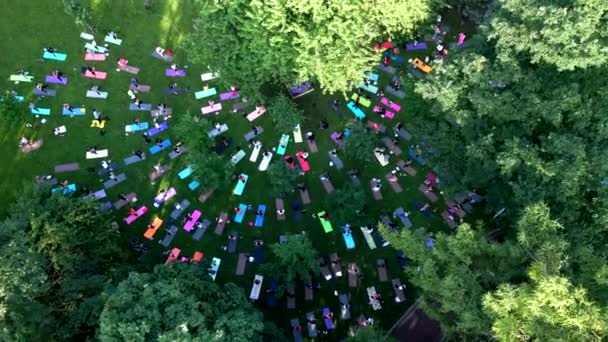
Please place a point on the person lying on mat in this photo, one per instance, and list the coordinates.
(310, 136)
(56, 73)
(122, 62)
(41, 87)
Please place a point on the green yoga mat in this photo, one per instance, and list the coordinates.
(362, 100)
(325, 223)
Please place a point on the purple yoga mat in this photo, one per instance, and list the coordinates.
(55, 80)
(175, 73)
(302, 88)
(419, 46)
(229, 96)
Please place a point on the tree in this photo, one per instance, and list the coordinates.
(284, 113)
(360, 144)
(370, 333)
(72, 255)
(550, 309)
(11, 112)
(454, 275)
(214, 167)
(273, 40)
(23, 283)
(282, 178)
(568, 34)
(82, 14)
(294, 259)
(346, 203)
(178, 303)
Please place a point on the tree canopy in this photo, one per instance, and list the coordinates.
(565, 34)
(294, 259)
(272, 40)
(346, 203)
(519, 115)
(200, 156)
(284, 113)
(360, 144)
(282, 178)
(72, 255)
(178, 303)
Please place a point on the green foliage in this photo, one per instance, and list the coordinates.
(551, 309)
(82, 14)
(201, 158)
(23, 284)
(273, 40)
(282, 178)
(345, 204)
(11, 112)
(294, 259)
(72, 255)
(537, 151)
(178, 303)
(284, 113)
(568, 34)
(455, 274)
(369, 333)
(359, 146)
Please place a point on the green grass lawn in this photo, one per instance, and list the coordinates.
(43, 23)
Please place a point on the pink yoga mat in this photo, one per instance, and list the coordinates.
(393, 105)
(94, 57)
(191, 222)
(100, 75)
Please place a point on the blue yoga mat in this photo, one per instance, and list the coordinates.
(259, 219)
(348, 238)
(240, 185)
(357, 111)
(135, 127)
(41, 111)
(155, 149)
(75, 111)
(56, 56)
(282, 147)
(193, 185)
(238, 218)
(185, 173)
(202, 94)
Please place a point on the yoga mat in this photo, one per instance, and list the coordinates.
(143, 106)
(48, 92)
(74, 111)
(229, 96)
(116, 41)
(211, 109)
(155, 149)
(419, 46)
(205, 93)
(94, 94)
(136, 127)
(155, 130)
(55, 56)
(99, 75)
(54, 80)
(162, 58)
(175, 73)
(94, 57)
